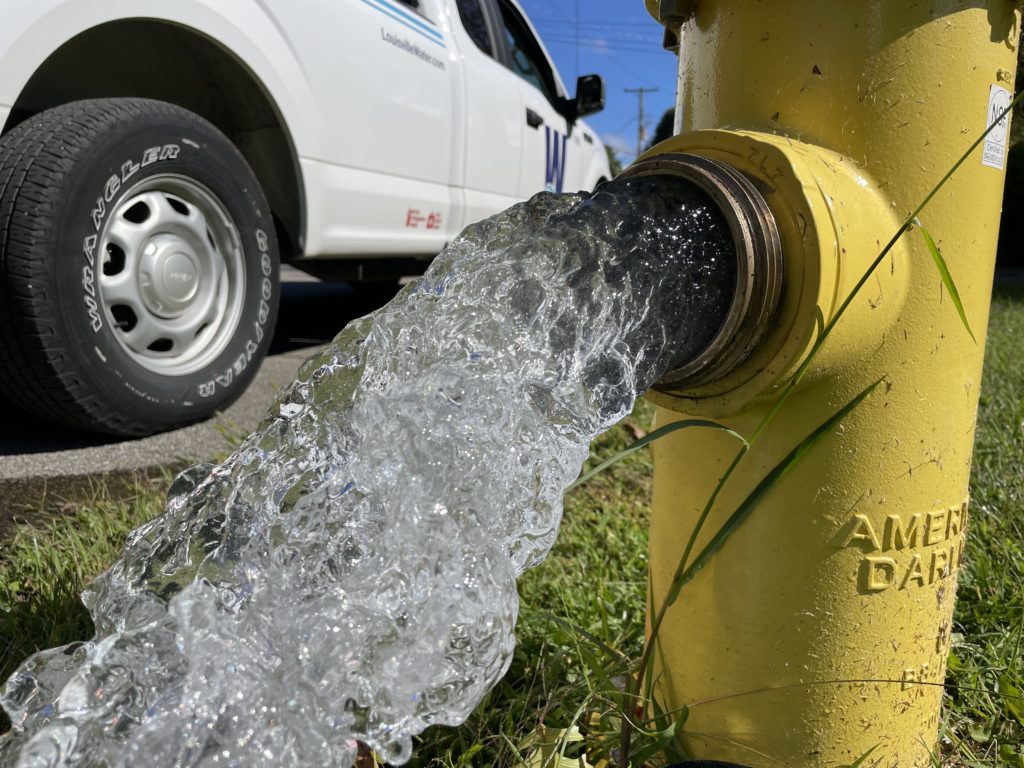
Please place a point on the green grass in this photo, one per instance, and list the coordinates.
(989, 620)
(44, 566)
(581, 622)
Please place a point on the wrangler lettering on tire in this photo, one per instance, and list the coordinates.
(138, 266)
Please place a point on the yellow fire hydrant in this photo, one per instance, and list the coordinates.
(819, 632)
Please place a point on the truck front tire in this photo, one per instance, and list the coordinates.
(138, 267)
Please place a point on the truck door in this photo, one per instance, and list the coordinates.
(382, 73)
(488, 136)
(550, 159)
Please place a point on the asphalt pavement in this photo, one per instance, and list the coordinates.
(44, 467)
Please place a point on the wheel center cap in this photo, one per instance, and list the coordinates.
(170, 277)
(180, 277)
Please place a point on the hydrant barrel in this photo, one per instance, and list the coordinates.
(819, 632)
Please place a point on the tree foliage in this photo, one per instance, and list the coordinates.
(613, 161)
(664, 128)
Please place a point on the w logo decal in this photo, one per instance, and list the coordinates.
(554, 154)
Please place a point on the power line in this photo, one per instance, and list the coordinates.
(559, 11)
(613, 24)
(608, 55)
(624, 125)
(577, 39)
(619, 63)
(629, 34)
(645, 42)
(604, 45)
(605, 39)
(640, 117)
(567, 20)
(628, 70)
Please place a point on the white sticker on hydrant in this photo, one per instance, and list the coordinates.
(994, 151)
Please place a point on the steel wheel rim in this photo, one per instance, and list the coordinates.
(171, 278)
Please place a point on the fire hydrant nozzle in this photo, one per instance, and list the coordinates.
(758, 263)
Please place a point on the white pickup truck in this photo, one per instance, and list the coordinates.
(158, 159)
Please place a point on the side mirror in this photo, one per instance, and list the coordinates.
(589, 95)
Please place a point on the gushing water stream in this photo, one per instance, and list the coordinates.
(348, 573)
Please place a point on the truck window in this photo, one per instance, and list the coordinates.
(417, 6)
(526, 58)
(473, 20)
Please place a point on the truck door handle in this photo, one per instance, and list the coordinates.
(533, 119)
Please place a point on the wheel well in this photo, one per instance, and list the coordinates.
(158, 60)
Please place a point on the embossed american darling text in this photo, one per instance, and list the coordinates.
(908, 550)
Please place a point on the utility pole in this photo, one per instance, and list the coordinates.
(640, 133)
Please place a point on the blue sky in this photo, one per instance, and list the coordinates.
(619, 41)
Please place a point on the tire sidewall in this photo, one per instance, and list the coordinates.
(147, 146)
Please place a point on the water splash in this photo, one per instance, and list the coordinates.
(348, 573)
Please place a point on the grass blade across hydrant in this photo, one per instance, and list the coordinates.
(657, 434)
(947, 279)
(743, 511)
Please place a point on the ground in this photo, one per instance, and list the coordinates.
(581, 624)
